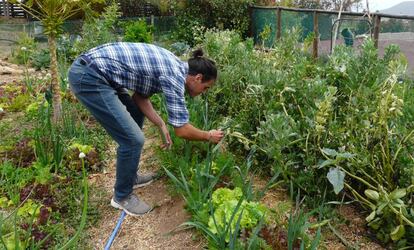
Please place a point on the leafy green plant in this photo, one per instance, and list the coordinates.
(390, 215)
(13, 179)
(82, 224)
(179, 48)
(138, 32)
(98, 30)
(20, 102)
(194, 17)
(196, 190)
(295, 111)
(298, 236)
(225, 203)
(222, 237)
(24, 49)
(40, 59)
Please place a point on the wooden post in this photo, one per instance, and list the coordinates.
(279, 24)
(316, 34)
(6, 9)
(250, 31)
(377, 27)
(11, 9)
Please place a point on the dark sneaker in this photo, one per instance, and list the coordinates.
(143, 180)
(131, 205)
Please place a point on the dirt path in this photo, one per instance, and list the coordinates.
(151, 231)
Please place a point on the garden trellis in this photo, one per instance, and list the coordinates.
(384, 29)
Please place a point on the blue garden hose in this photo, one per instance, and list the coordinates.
(113, 235)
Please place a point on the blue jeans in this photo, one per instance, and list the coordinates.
(118, 114)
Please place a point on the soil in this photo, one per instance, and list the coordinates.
(10, 72)
(158, 229)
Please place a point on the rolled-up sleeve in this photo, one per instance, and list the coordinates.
(173, 89)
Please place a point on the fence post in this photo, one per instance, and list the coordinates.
(377, 26)
(279, 24)
(6, 9)
(316, 34)
(250, 31)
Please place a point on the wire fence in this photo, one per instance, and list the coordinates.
(328, 29)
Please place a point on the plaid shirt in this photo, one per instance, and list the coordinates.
(146, 69)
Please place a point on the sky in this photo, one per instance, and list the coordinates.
(375, 5)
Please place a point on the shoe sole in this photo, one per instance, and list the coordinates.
(142, 185)
(117, 206)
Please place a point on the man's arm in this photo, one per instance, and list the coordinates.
(145, 105)
(189, 132)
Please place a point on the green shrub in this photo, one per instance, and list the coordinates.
(194, 17)
(20, 102)
(40, 59)
(24, 49)
(343, 122)
(138, 32)
(97, 31)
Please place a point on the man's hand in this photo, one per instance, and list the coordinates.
(215, 136)
(167, 142)
(146, 107)
(189, 132)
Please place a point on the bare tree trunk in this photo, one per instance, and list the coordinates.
(57, 99)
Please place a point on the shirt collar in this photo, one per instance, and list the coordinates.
(184, 68)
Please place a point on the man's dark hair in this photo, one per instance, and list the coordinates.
(198, 64)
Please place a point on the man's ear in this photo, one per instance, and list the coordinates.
(199, 77)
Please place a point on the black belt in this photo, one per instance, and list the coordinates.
(86, 61)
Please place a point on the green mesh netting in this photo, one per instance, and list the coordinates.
(264, 26)
(262, 20)
(351, 30)
(300, 20)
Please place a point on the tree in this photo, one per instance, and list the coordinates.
(52, 14)
(347, 5)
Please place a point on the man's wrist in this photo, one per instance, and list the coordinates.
(208, 135)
